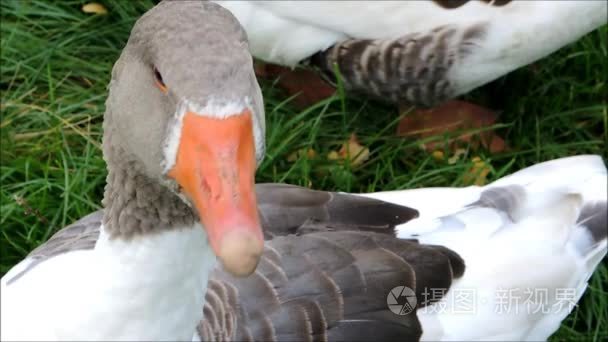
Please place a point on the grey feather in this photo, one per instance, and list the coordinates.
(80, 235)
(343, 259)
(594, 216)
(452, 4)
(329, 275)
(326, 283)
(412, 68)
(288, 209)
(507, 199)
(337, 286)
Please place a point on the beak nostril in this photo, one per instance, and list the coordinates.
(205, 187)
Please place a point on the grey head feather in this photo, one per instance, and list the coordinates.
(199, 48)
(201, 52)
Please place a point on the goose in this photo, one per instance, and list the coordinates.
(183, 132)
(414, 52)
(530, 242)
(144, 268)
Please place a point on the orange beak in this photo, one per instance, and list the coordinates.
(215, 166)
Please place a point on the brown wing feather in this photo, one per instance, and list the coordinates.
(325, 273)
(329, 264)
(336, 288)
(413, 68)
(289, 209)
(284, 209)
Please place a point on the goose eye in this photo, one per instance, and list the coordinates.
(158, 78)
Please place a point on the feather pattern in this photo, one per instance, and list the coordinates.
(330, 286)
(540, 229)
(530, 241)
(411, 68)
(328, 265)
(422, 52)
(322, 277)
(80, 235)
(292, 209)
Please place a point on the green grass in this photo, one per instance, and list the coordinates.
(56, 62)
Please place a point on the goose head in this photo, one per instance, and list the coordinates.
(185, 109)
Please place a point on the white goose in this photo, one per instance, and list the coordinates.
(183, 129)
(421, 52)
(180, 190)
(530, 242)
(533, 239)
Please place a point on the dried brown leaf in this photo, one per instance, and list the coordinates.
(456, 156)
(354, 151)
(438, 155)
(333, 155)
(308, 85)
(478, 173)
(303, 152)
(452, 116)
(351, 150)
(95, 8)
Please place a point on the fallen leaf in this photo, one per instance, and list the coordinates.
(310, 154)
(438, 155)
(354, 151)
(478, 173)
(95, 8)
(303, 152)
(259, 68)
(453, 116)
(456, 156)
(308, 85)
(333, 155)
(351, 150)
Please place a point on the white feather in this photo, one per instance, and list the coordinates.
(156, 293)
(153, 287)
(287, 32)
(541, 252)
